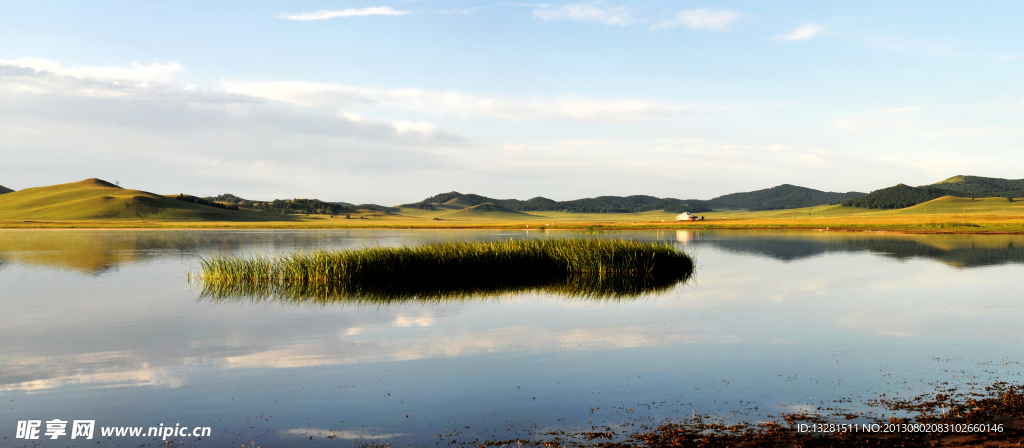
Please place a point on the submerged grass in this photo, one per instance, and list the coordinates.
(595, 268)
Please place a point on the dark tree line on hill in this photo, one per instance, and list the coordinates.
(899, 196)
(201, 201)
(617, 204)
(228, 197)
(601, 204)
(902, 196)
(285, 206)
(419, 205)
(977, 186)
(300, 206)
(782, 197)
(376, 208)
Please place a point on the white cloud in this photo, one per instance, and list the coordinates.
(908, 45)
(1008, 57)
(702, 19)
(805, 32)
(136, 74)
(462, 11)
(62, 124)
(573, 108)
(415, 321)
(322, 140)
(422, 127)
(270, 138)
(348, 12)
(330, 140)
(585, 12)
(351, 116)
(976, 132)
(348, 434)
(898, 111)
(146, 377)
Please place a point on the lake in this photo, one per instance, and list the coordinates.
(105, 325)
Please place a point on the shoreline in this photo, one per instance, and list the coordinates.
(962, 228)
(947, 416)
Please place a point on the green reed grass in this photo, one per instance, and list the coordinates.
(451, 270)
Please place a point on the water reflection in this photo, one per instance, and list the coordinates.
(761, 326)
(95, 252)
(954, 250)
(574, 287)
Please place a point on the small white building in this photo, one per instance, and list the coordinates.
(686, 216)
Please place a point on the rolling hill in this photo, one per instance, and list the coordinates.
(902, 196)
(784, 196)
(4, 190)
(897, 196)
(602, 204)
(486, 210)
(95, 199)
(967, 186)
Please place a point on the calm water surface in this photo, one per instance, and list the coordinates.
(103, 325)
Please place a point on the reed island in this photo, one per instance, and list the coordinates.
(578, 267)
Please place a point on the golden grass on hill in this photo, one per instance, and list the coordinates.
(486, 211)
(952, 180)
(94, 199)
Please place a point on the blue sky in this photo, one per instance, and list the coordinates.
(390, 102)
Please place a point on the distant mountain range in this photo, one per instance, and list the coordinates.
(602, 204)
(4, 189)
(902, 196)
(780, 197)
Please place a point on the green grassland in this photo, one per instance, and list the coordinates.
(93, 203)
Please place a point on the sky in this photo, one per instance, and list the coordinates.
(390, 102)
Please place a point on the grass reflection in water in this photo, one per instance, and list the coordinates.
(580, 268)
